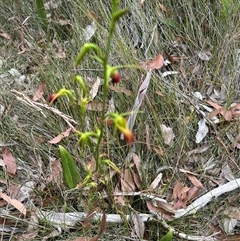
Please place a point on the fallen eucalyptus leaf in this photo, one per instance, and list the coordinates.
(202, 131)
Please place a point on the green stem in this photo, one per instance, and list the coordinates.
(105, 89)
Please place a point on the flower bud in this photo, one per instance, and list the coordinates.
(115, 76)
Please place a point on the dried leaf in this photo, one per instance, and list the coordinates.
(164, 8)
(111, 106)
(22, 46)
(137, 180)
(9, 161)
(165, 215)
(56, 172)
(89, 31)
(29, 235)
(138, 224)
(138, 101)
(141, 3)
(235, 110)
(183, 192)
(195, 181)
(229, 225)
(227, 172)
(235, 142)
(39, 92)
(60, 53)
(213, 104)
(232, 212)
(93, 15)
(102, 229)
(5, 35)
(199, 150)
(180, 203)
(58, 138)
(127, 182)
(202, 130)
(95, 106)
(178, 185)
(158, 150)
(137, 162)
(119, 199)
(180, 194)
(156, 63)
(51, 5)
(205, 55)
(159, 93)
(155, 182)
(94, 89)
(13, 190)
(62, 21)
(119, 89)
(228, 115)
(15, 203)
(193, 193)
(166, 206)
(219, 232)
(167, 134)
(103, 224)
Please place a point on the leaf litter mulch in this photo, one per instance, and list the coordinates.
(29, 206)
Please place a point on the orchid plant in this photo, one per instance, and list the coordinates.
(79, 96)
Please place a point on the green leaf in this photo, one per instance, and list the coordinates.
(85, 49)
(42, 13)
(70, 171)
(111, 164)
(119, 14)
(168, 236)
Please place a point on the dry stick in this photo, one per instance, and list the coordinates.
(70, 219)
(36, 105)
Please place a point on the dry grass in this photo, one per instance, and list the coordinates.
(186, 29)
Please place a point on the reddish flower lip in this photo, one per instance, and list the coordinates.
(128, 135)
(129, 138)
(52, 97)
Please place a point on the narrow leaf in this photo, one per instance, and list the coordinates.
(59, 137)
(15, 203)
(119, 14)
(70, 171)
(202, 131)
(9, 161)
(139, 226)
(39, 92)
(168, 236)
(41, 13)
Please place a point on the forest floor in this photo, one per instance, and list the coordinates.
(182, 171)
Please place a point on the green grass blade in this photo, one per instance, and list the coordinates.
(42, 13)
(168, 236)
(70, 171)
